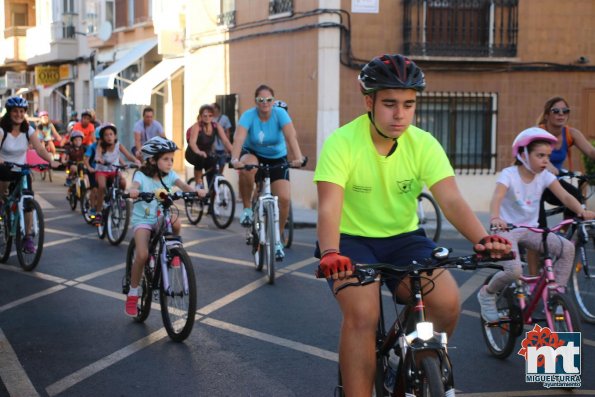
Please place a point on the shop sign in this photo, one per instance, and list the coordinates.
(47, 75)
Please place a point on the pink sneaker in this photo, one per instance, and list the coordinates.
(131, 306)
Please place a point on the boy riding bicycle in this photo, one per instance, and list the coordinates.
(368, 177)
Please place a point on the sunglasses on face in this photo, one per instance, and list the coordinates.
(560, 111)
(260, 99)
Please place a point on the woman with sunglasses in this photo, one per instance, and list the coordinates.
(263, 135)
(554, 119)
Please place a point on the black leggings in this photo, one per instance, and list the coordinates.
(550, 198)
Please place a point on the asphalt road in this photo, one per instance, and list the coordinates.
(63, 330)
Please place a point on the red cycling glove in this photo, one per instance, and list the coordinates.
(333, 262)
(494, 238)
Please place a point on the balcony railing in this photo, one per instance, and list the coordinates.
(280, 7)
(15, 31)
(461, 28)
(227, 19)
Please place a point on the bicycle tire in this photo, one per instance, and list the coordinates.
(223, 205)
(287, 234)
(178, 321)
(72, 199)
(101, 229)
(270, 241)
(144, 286)
(583, 281)
(29, 261)
(431, 379)
(257, 248)
(86, 206)
(117, 220)
(565, 317)
(194, 207)
(5, 237)
(429, 216)
(500, 338)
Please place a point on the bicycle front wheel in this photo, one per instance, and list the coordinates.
(29, 251)
(583, 281)
(101, 227)
(500, 337)
(178, 300)
(269, 246)
(86, 205)
(5, 237)
(429, 216)
(223, 205)
(117, 220)
(72, 199)
(144, 286)
(565, 317)
(431, 378)
(287, 233)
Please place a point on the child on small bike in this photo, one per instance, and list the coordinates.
(155, 173)
(516, 201)
(107, 154)
(74, 153)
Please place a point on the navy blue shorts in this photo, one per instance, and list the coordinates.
(398, 250)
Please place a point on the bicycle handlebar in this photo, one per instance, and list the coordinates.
(40, 167)
(440, 259)
(120, 167)
(150, 196)
(285, 164)
(534, 229)
(577, 175)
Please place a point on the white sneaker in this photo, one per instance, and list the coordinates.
(487, 301)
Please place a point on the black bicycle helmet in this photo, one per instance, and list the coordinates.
(391, 71)
(157, 145)
(282, 105)
(16, 102)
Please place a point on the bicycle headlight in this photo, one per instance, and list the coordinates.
(425, 330)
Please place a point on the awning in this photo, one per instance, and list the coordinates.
(47, 91)
(139, 92)
(105, 79)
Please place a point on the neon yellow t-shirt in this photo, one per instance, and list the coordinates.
(380, 193)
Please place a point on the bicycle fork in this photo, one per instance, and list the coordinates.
(165, 252)
(22, 224)
(262, 230)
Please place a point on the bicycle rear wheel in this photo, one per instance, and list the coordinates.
(223, 205)
(287, 234)
(583, 281)
(5, 237)
(178, 302)
(30, 258)
(144, 286)
(565, 317)
(429, 216)
(269, 247)
(194, 207)
(500, 337)
(117, 220)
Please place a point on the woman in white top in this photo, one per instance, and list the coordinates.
(15, 136)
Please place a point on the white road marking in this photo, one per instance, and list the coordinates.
(227, 299)
(221, 259)
(12, 373)
(43, 203)
(301, 347)
(100, 273)
(58, 242)
(98, 366)
(55, 218)
(32, 297)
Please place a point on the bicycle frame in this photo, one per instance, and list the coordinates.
(542, 286)
(264, 197)
(19, 195)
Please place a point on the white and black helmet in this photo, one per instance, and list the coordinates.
(157, 145)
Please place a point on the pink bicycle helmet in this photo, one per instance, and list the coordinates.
(529, 135)
(43, 113)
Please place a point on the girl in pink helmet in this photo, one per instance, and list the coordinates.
(516, 201)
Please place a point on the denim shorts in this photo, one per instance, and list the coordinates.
(398, 250)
